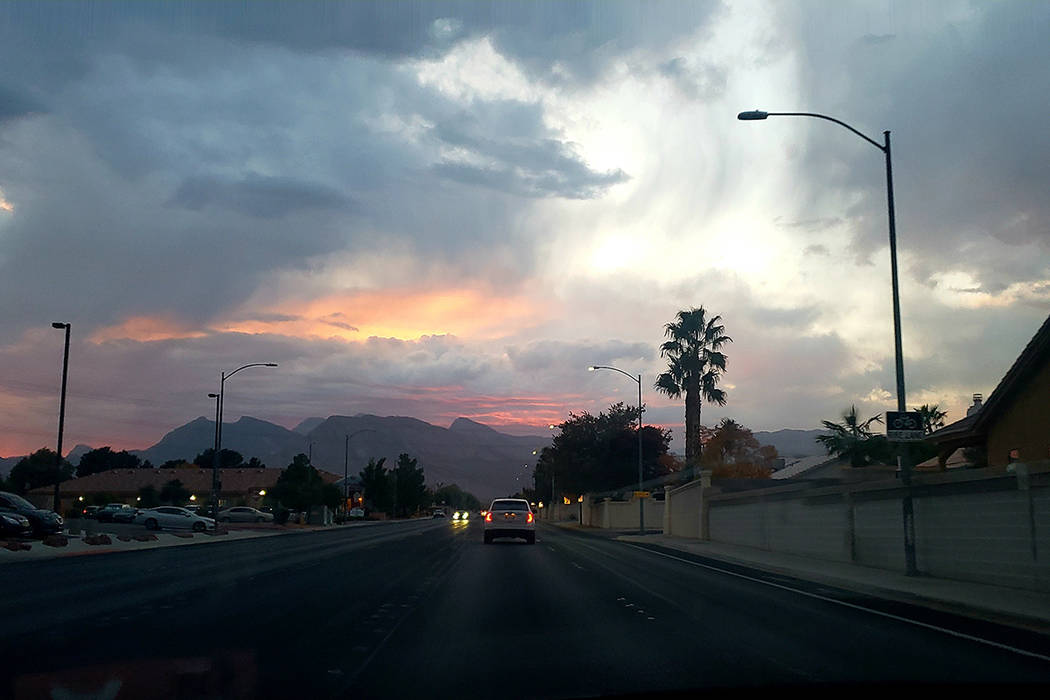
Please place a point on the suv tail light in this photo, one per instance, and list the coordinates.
(488, 517)
(529, 518)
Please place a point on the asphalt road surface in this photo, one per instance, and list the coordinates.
(425, 609)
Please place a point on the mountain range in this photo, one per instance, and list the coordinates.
(478, 458)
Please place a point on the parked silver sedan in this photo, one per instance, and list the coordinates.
(244, 514)
(173, 518)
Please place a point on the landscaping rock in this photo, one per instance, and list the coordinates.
(18, 546)
(56, 540)
(148, 537)
(97, 539)
(184, 535)
(124, 538)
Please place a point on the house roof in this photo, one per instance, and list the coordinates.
(799, 467)
(1027, 363)
(233, 480)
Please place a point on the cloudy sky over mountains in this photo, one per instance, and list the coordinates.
(444, 209)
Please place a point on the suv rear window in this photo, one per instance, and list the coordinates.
(509, 505)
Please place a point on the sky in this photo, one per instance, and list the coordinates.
(443, 209)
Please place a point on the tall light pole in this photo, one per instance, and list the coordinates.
(61, 416)
(638, 379)
(905, 465)
(346, 463)
(218, 433)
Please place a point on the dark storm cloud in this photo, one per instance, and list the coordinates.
(258, 195)
(524, 159)
(15, 104)
(554, 39)
(192, 167)
(575, 356)
(963, 100)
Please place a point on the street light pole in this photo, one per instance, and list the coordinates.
(61, 417)
(903, 463)
(346, 463)
(641, 477)
(215, 485)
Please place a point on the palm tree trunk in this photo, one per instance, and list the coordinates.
(692, 425)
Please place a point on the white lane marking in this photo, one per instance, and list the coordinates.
(578, 566)
(953, 633)
(550, 548)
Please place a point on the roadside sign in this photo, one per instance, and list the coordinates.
(904, 426)
(642, 494)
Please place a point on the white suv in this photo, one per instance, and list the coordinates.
(510, 517)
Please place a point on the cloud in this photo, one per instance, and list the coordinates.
(257, 195)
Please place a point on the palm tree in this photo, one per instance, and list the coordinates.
(694, 368)
(849, 439)
(932, 417)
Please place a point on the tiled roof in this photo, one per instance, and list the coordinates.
(195, 480)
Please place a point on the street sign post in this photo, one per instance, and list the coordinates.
(904, 426)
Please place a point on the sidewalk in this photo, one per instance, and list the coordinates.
(1010, 606)
(77, 547)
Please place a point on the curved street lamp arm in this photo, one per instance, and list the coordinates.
(636, 380)
(253, 364)
(874, 143)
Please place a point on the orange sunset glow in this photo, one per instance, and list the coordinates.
(394, 313)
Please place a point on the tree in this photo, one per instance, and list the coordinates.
(598, 453)
(732, 451)
(932, 417)
(148, 497)
(177, 464)
(454, 497)
(375, 480)
(694, 367)
(255, 463)
(38, 469)
(174, 493)
(853, 440)
(227, 459)
(300, 486)
(104, 458)
(409, 482)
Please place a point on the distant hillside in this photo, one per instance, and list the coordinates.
(307, 425)
(478, 458)
(273, 444)
(792, 443)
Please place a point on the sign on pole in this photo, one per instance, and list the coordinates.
(642, 494)
(904, 426)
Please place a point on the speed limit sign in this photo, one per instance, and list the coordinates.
(904, 426)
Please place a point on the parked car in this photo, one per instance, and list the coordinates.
(105, 515)
(125, 515)
(357, 513)
(43, 522)
(244, 514)
(90, 512)
(15, 525)
(173, 518)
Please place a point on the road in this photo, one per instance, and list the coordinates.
(425, 609)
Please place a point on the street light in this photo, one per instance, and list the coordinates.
(61, 414)
(346, 463)
(905, 466)
(218, 431)
(641, 501)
